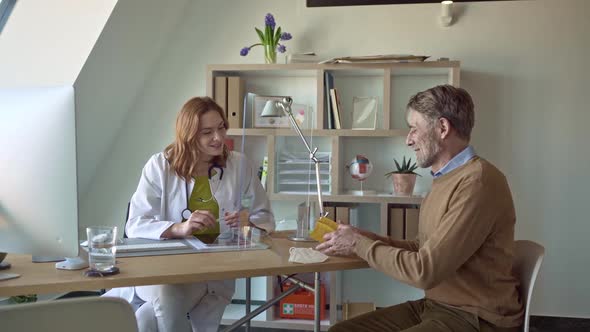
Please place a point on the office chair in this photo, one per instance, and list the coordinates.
(126, 218)
(88, 314)
(528, 257)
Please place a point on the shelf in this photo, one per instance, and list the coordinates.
(319, 132)
(340, 66)
(347, 198)
(392, 83)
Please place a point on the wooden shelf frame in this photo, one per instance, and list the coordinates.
(385, 72)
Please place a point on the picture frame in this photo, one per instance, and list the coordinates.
(302, 114)
(364, 112)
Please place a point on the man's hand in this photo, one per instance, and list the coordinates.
(340, 242)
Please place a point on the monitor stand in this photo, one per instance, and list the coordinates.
(46, 259)
(72, 263)
(65, 263)
(6, 276)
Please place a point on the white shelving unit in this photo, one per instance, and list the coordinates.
(391, 83)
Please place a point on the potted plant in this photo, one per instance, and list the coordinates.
(404, 177)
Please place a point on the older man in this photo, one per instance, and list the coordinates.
(464, 251)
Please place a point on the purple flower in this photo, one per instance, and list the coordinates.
(286, 36)
(269, 21)
(281, 48)
(244, 51)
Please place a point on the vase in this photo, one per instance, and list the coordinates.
(403, 184)
(270, 54)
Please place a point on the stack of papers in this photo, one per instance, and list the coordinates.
(378, 58)
(309, 57)
(303, 157)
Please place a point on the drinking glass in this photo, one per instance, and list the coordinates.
(101, 247)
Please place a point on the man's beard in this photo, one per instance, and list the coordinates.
(430, 150)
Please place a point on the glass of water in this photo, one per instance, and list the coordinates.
(101, 248)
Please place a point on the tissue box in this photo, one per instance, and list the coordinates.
(300, 304)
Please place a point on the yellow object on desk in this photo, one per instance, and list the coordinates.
(323, 226)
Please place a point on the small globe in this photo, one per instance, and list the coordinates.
(360, 167)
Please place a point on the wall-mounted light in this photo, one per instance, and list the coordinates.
(446, 14)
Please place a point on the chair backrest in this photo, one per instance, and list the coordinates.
(528, 257)
(126, 218)
(88, 314)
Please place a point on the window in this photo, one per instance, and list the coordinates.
(5, 10)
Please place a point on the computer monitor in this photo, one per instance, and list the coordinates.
(38, 179)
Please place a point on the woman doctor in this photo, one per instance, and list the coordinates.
(184, 191)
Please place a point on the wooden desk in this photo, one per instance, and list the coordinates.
(39, 278)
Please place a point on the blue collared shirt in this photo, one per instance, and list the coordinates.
(459, 160)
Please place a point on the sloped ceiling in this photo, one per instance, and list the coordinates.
(113, 76)
(46, 43)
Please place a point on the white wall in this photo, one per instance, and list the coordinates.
(123, 59)
(46, 43)
(523, 62)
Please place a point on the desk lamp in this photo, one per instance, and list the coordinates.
(278, 108)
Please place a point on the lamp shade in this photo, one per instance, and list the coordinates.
(271, 109)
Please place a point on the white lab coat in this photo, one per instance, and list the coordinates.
(158, 203)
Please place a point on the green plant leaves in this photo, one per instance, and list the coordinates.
(406, 167)
(24, 298)
(260, 35)
(277, 37)
(268, 35)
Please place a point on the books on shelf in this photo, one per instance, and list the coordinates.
(228, 92)
(411, 223)
(336, 108)
(403, 222)
(344, 213)
(328, 85)
(386, 58)
(396, 223)
(220, 92)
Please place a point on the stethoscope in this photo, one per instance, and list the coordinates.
(186, 213)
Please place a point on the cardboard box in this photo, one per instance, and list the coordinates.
(353, 309)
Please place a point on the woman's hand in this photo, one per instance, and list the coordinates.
(237, 219)
(198, 221)
(232, 219)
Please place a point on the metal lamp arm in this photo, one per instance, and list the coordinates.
(312, 156)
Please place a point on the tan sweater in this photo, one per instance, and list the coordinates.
(464, 252)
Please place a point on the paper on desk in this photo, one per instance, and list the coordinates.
(386, 58)
(196, 243)
(306, 255)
